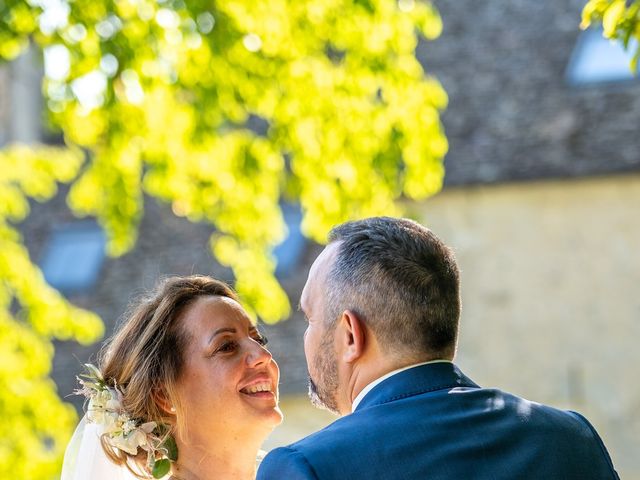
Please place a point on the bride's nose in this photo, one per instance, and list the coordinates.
(258, 355)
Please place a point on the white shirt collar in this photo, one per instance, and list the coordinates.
(371, 386)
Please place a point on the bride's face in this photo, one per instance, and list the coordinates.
(229, 381)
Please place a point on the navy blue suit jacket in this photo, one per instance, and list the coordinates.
(431, 422)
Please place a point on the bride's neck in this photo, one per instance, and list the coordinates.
(218, 457)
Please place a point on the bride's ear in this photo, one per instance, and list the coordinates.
(353, 336)
(163, 401)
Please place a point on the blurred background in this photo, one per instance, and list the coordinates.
(540, 200)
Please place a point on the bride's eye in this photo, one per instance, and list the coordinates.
(227, 347)
(261, 339)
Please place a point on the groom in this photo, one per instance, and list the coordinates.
(382, 301)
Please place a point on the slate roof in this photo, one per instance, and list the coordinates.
(512, 116)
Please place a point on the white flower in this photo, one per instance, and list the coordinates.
(121, 431)
(103, 396)
(130, 443)
(148, 427)
(128, 426)
(110, 422)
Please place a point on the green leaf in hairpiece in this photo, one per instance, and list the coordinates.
(161, 468)
(172, 449)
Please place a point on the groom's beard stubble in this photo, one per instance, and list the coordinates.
(323, 391)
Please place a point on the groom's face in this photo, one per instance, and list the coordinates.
(319, 344)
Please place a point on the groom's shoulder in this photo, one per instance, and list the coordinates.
(285, 462)
(352, 443)
(300, 460)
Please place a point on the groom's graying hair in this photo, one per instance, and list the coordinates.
(401, 280)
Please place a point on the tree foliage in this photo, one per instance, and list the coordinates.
(35, 424)
(224, 110)
(620, 20)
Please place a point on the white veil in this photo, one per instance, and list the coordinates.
(85, 459)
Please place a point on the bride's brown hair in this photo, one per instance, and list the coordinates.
(144, 358)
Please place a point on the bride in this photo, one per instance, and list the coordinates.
(184, 390)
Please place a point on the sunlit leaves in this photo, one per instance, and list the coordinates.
(167, 95)
(110, 190)
(620, 20)
(35, 172)
(223, 110)
(612, 16)
(35, 424)
(18, 20)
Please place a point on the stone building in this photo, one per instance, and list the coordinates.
(541, 202)
(542, 205)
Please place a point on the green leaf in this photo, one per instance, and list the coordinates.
(172, 449)
(161, 468)
(634, 62)
(626, 38)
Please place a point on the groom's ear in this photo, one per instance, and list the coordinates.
(354, 336)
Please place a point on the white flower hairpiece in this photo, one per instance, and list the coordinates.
(120, 430)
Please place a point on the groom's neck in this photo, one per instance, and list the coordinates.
(369, 368)
(362, 373)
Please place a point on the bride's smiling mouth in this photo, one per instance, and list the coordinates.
(260, 389)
